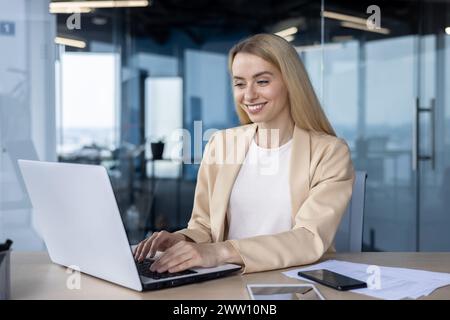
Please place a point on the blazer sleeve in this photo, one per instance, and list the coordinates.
(199, 226)
(316, 221)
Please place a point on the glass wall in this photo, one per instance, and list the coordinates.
(384, 91)
(27, 113)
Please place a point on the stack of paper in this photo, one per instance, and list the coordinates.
(384, 282)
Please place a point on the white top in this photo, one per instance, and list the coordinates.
(260, 201)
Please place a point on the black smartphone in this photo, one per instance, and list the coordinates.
(332, 279)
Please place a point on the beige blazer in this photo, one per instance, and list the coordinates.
(321, 180)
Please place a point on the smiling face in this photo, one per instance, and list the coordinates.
(259, 90)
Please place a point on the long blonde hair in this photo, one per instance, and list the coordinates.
(305, 107)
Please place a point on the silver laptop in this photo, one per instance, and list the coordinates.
(76, 210)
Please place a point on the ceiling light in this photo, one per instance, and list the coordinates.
(344, 17)
(447, 30)
(364, 27)
(70, 10)
(70, 5)
(287, 32)
(289, 38)
(70, 42)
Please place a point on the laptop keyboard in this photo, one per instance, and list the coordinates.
(144, 270)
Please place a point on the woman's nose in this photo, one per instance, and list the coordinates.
(250, 93)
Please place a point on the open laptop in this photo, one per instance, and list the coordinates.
(80, 223)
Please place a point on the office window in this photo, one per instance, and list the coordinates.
(88, 101)
(164, 118)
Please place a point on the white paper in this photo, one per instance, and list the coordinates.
(394, 284)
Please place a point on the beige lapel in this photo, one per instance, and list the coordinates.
(224, 183)
(299, 178)
(299, 169)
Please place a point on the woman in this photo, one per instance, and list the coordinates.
(284, 216)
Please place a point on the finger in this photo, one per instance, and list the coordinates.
(135, 249)
(146, 247)
(139, 249)
(156, 244)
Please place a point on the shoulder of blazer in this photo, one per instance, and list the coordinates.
(322, 142)
(324, 147)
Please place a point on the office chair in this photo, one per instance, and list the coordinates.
(349, 234)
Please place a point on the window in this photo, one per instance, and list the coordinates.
(88, 101)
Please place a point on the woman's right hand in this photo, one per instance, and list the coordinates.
(158, 241)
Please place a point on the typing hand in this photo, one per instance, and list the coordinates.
(158, 241)
(185, 255)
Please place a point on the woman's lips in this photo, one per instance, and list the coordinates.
(255, 108)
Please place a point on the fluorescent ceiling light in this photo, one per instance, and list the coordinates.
(70, 10)
(289, 38)
(70, 42)
(447, 30)
(287, 32)
(364, 27)
(353, 22)
(98, 4)
(344, 17)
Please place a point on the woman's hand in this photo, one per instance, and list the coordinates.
(158, 241)
(185, 255)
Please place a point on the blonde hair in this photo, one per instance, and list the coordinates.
(305, 107)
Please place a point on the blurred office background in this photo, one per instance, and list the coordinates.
(115, 80)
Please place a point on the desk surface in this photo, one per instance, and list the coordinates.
(35, 277)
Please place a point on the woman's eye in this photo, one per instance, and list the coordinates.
(239, 85)
(262, 82)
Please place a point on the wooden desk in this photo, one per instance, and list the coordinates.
(35, 277)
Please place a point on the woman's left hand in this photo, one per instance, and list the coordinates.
(185, 255)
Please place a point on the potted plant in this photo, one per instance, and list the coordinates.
(157, 147)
